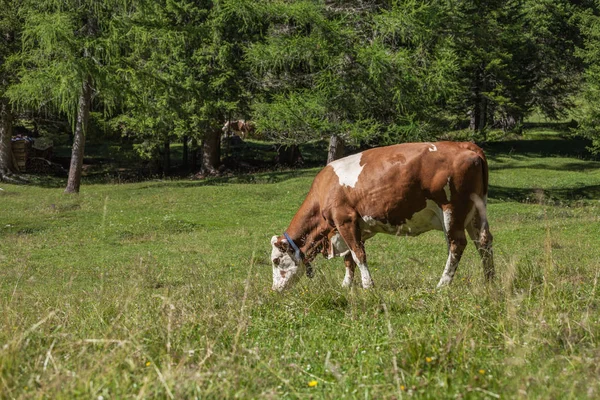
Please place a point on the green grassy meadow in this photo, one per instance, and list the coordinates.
(162, 289)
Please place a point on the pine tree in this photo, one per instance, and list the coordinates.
(556, 69)
(186, 73)
(588, 114)
(516, 57)
(359, 71)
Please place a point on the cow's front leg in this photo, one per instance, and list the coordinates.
(367, 281)
(350, 232)
(350, 267)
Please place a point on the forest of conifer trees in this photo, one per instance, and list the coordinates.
(155, 72)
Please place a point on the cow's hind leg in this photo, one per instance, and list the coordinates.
(457, 241)
(350, 232)
(479, 232)
(350, 267)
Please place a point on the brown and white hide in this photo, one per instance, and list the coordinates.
(403, 190)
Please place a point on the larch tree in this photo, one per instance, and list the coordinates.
(10, 26)
(70, 55)
(303, 70)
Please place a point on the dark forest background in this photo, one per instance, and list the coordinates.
(155, 81)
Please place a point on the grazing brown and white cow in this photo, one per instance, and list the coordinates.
(403, 190)
(239, 127)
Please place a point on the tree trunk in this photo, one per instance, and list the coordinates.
(7, 166)
(474, 119)
(289, 155)
(211, 152)
(511, 122)
(83, 114)
(336, 148)
(185, 156)
(479, 114)
(482, 114)
(194, 157)
(166, 166)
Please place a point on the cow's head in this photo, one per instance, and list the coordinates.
(287, 269)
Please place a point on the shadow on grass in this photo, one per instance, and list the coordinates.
(537, 195)
(260, 178)
(572, 147)
(582, 166)
(259, 155)
(564, 127)
(43, 181)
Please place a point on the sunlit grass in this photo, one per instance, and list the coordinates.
(162, 289)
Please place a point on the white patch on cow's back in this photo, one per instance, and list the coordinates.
(432, 147)
(447, 190)
(348, 169)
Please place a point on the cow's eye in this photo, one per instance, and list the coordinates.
(276, 261)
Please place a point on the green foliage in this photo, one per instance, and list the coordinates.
(515, 57)
(588, 112)
(63, 45)
(366, 73)
(555, 68)
(10, 26)
(185, 70)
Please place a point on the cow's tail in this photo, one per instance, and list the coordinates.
(484, 164)
(483, 239)
(480, 199)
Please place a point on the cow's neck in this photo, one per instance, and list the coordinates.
(308, 228)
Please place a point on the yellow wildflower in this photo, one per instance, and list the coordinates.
(148, 363)
(402, 387)
(428, 359)
(312, 383)
(482, 371)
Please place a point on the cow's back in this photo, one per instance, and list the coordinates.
(392, 183)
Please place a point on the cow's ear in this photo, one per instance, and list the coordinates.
(274, 240)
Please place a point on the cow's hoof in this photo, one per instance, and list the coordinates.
(346, 284)
(445, 281)
(368, 284)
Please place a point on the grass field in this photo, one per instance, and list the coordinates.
(162, 290)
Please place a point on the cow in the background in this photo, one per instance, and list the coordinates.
(238, 127)
(403, 190)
